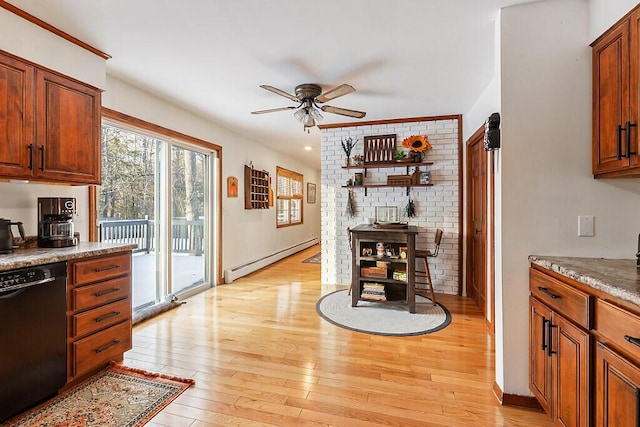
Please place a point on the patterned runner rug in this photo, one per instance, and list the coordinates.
(116, 397)
(383, 318)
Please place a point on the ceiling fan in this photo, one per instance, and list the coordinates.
(308, 96)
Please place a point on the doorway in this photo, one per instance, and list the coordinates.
(479, 225)
(158, 192)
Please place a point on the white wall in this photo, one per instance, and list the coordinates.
(25, 40)
(436, 206)
(247, 235)
(546, 166)
(604, 13)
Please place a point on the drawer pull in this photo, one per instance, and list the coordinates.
(111, 267)
(632, 340)
(107, 316)
(549, 337)
(108, 346)
(548, 293)
(106, 292)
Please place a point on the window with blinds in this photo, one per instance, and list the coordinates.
(288, 197)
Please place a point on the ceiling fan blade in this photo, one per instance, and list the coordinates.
(273, 110)
(334, 93)
(280, 92)
(343, 111)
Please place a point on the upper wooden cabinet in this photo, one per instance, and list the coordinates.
(16, 117)
(49, 125)
(616, 100)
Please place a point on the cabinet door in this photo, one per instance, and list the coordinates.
(539, 360)
(617, 390)
(634, 87)
(68, 130)
(16, 117)
(570, 362)
(610, 100)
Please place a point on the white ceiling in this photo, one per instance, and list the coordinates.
(406, 58)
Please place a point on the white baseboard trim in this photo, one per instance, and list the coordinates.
(231, 274)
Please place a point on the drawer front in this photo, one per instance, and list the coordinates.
(101, 268)
(618, 327)
(570, 302)
(91, 296)
(100, 318)
(98, 349)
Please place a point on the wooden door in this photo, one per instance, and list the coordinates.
(570, 365)
(539, 360)
(477, 222)
(16, 113)
(68, 130)
(617, 397)
(611, 100)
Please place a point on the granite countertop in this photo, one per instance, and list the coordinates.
(617, 277)
(20, 258)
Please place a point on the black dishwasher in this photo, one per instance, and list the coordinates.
(33, 335)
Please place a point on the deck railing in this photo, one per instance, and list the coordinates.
(187, 236)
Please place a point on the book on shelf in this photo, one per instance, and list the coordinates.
(373, 292)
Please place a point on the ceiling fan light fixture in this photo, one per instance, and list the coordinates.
(315, 114)
(300, 115)
(309, 95)
(309, 122)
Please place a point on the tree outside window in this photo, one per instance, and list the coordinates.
(289, 197)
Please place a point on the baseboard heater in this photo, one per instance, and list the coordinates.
(231, 274)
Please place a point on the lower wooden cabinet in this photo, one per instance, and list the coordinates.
(584, 366)
(99, 317)
(617, 368)
(559, 365)
(617, 390)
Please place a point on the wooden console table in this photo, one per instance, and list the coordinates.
(386, 277)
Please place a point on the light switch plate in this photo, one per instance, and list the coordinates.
(585, 226)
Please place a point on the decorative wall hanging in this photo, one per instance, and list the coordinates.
(311, 193)
(379, 148)
(256, 188)
(232, 186)
(350, 211)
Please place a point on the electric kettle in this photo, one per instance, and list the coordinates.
(6, 238)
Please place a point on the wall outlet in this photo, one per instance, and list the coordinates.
(585, 226)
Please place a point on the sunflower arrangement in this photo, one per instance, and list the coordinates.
(417, 143)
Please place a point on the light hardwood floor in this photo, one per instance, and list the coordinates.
(261, 355)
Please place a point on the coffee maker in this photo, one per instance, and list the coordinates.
(55, 221)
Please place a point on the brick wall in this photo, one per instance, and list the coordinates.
(436, 206)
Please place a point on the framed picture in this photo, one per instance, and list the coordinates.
(425, 177)
(311, 193)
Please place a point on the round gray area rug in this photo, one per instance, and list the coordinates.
(383, 318)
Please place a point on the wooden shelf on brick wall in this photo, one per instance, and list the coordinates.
(256, 188)
(379, 165)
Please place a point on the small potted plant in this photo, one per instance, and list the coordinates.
(347, 146)
(358, 159)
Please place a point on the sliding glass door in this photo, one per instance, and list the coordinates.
(157, 193)
(188, 212)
